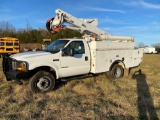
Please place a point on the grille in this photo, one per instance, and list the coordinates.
(10, 64)
(7, 64)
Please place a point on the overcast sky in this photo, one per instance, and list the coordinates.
(137, 18)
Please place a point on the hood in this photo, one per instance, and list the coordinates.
(25, 55)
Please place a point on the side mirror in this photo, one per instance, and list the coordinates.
(63, 51)
(69, 52)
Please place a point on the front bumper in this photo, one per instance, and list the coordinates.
(13, 75)
(10, 73)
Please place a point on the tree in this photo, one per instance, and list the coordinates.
(29, 35)
(7, 29)
(141, 45)
(157, 45)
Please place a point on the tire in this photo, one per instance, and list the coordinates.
(42, 82)
(116, 72)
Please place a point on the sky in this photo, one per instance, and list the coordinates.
(137, 18)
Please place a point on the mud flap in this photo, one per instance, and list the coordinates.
(126, 72)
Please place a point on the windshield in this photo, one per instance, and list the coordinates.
(56, 46)
(9, 43)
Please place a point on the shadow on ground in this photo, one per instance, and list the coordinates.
(145, 106)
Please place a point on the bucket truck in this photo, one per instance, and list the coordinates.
(64, 59)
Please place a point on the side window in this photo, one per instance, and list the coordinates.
(1, 43)
(78, 47)
(16, 44)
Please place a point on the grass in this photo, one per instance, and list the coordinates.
(132, 97)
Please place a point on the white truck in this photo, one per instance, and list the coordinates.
(98, 52)
(150, 50)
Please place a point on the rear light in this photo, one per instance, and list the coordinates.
(2, 48)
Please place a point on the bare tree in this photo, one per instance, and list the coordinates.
(28, 27)
(157, 45)
(7, 29)
(141, 45)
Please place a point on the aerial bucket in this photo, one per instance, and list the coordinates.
(54, 29)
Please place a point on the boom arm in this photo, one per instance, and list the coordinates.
(82, 25)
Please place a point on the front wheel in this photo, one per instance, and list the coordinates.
(116, 71)
(42, 82)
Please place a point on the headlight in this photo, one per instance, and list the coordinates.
(19, 65)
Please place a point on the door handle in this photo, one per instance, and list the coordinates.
(86, 58)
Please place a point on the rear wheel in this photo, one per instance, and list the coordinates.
(42, 82)
(116, 72)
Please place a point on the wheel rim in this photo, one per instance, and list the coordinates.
(43, 83)
(117, 72)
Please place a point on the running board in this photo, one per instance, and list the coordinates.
(77, 77)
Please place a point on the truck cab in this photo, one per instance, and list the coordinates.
(63, 58)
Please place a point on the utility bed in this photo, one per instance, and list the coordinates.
(103, 54)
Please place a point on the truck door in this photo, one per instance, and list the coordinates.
(77, 64)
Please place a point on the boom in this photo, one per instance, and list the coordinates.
(88, 26)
